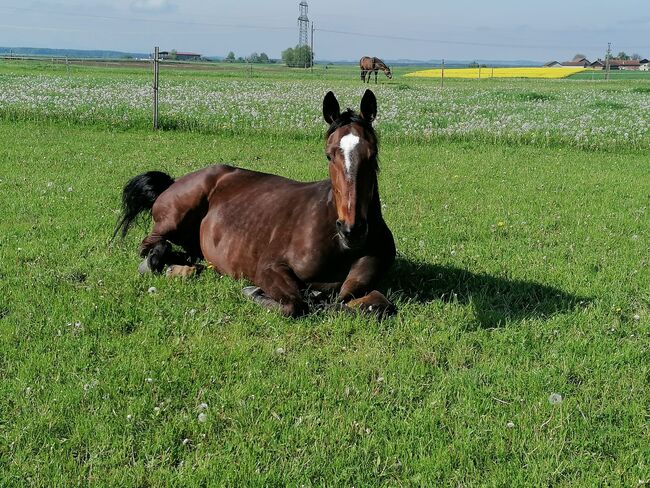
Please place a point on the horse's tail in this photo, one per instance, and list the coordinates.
(139, 195)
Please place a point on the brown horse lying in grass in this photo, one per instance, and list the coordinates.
(285, 236)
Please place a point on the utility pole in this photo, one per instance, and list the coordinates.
(312, 46)
(607, 58)
(155, 87)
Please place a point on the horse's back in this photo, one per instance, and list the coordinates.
(189, 193)
(254, 214)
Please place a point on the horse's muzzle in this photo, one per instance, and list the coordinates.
(352, 237)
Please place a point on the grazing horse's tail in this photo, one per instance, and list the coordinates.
(139, 195)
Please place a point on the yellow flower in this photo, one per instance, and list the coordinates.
(523, 72)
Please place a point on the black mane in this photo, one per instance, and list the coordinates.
(349, 116)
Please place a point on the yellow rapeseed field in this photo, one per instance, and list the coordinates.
(538, 72)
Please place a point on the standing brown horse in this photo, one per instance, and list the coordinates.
(285, 236)
(368, 65)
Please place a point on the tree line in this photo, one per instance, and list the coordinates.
(261, 58)
(295, 57)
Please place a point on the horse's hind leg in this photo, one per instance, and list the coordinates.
(158, 256)
(156, 249)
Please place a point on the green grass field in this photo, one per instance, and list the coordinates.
(522, 274)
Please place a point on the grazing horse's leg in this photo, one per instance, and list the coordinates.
(281, 289)
(363, 76)
(376, 76)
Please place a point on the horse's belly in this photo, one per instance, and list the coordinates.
(239, 248)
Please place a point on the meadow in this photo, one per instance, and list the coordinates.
(520, 355)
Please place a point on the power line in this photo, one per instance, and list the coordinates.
(443, 41)
(288, 28)
(155, 21)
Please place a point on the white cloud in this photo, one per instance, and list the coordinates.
(156, 6)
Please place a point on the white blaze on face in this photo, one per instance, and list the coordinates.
(347, 145)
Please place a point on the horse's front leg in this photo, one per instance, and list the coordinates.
(375, 77)
(357, 289)
(279, 289)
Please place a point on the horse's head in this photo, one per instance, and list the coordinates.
(388, 72)
(351, 149)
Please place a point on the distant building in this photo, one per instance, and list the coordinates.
(625, 64)
(577, 62)
(180, 56)
(188, 56)
(614, 64)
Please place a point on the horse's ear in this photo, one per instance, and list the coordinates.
(331, 108)
(369, 106)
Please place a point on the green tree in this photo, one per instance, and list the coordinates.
(230, 58)
(636, 56)
(298, 57)
(622, 56)
(288, 56)
(264, 58)
(173, 54)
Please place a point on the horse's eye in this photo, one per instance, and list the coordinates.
(329, 158)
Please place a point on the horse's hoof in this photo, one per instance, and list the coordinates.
(252, 292)
(179, 270)
(256, 294)
(144, 268)
(373, 303)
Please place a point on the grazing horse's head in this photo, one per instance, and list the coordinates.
(389, 74)
(351, 149)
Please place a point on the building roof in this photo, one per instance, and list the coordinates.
(624, 62)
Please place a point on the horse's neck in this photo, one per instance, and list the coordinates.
(374, 210)
(375, 206)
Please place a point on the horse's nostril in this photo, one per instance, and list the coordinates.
(339, 225)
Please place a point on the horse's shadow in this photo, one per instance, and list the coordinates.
(495, 300)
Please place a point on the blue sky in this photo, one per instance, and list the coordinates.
(417, 29)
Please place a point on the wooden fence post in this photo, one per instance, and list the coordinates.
(155, 88)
